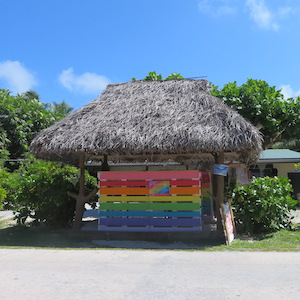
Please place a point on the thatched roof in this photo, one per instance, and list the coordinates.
(149, 118)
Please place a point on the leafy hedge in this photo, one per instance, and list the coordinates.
(4, 183)
(264, 205)
(38, 189)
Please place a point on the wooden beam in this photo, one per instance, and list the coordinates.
(150, 157)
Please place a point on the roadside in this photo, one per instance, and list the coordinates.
(30, 274)
(37, 237)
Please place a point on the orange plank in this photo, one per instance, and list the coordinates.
(123, 191)
(185, 190)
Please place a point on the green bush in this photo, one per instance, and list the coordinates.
(38, 189)
(4, 184)
(297, 167)
(264, 205)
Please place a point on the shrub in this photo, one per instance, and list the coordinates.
(38, 189)
(264, 205)
(297, 167)
(4, 183)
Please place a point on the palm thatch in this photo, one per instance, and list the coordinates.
(177, 117)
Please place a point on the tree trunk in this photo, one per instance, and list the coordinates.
(80, 199)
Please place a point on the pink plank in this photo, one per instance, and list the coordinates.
(144, 175)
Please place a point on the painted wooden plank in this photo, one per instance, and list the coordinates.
(146, 221)
(148, 229)
(123, 191)
(205, 186)
(174, 206)
(174, 198)
(123, 229)
(174, 229)
(124, 206)
(144, 183)
(150, 206)
(184, 182)
(174, 222)
(123, 199)
(185, 190)
(150, 214)
(149, 199)
(205, 193)
(205, 178)
(120, 213)
(147, 175)
(124, 221)
(119, 183)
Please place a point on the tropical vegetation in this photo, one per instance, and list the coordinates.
(264, 205)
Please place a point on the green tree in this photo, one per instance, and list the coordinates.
(154, 76)
(264, 106)
(39, 190)
(59, 110)
(22, 117)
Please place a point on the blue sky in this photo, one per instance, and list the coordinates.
(71, 49)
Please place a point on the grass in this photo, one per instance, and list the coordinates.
(283, 240)
(13, 236)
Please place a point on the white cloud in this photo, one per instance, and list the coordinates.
(217, 8)
(262, 15)
(288, 91)
(16, 76)
(86, 83)
(285, 12)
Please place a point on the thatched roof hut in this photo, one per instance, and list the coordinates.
(153, 120)
(142, 119)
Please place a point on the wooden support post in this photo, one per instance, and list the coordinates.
(219, 191)
(80, 198)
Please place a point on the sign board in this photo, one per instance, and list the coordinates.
(228, 222)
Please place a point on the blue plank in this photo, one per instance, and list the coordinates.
(149, 229)
(142, 213)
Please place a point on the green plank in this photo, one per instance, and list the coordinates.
(174, 206)
(150, 206)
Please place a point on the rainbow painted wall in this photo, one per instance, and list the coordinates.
(152, 201)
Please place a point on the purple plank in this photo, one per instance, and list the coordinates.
(125, 221)
(174, 222)
(151, 222)
(124, 228)
(174, 229)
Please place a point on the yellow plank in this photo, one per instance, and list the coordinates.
(174, 198)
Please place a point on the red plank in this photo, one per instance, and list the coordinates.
(119, 183)
(123, 191)
(184, 183)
